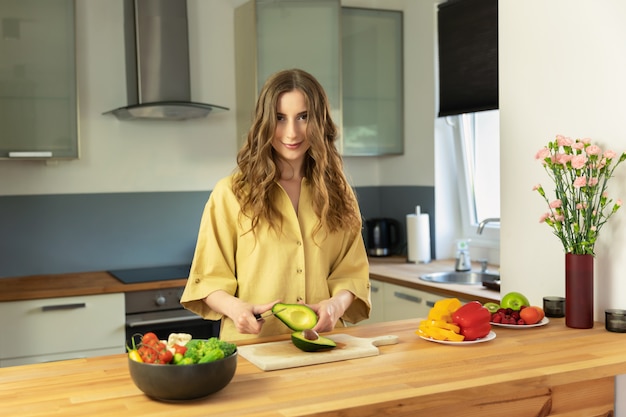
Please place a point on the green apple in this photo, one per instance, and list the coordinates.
(514, 301)
(492, 307)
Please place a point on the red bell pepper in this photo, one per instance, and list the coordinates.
(180, 349)
(473, 319)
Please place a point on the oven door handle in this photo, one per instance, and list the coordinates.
(161, 321)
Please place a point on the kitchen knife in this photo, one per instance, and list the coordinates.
(259, 317)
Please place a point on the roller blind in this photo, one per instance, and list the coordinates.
(468, 56)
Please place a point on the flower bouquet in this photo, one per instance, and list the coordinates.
(580, 171)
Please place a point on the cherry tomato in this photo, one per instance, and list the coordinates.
(149, 339)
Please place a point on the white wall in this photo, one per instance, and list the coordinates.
(562, 71)
(562, 67)
(136, 156)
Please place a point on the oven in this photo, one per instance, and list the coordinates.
(159, 310)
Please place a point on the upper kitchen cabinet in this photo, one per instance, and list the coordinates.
(356, 54)
(273, 35)
(38, 98)
(372, 82)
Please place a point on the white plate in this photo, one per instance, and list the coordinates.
(487, 338)
(543, 322)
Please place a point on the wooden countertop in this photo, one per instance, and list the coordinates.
(390, 269)
(396, 270)
(549, 370)
(67, 285)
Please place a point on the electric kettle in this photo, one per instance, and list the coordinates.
(383, 236)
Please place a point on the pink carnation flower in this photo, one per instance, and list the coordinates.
(579, 161)
(592, 181)
(563, 158)
(609, 154)
(556, 204)
(580, 182)
(563, 141)
(593, 150)
(542, 153)
(578, 146)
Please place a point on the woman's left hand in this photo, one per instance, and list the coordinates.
(330, 311)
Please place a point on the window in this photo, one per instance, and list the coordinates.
(477, 141)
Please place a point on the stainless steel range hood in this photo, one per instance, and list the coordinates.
(157, 63)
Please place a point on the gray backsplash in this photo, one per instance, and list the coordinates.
(50, 234)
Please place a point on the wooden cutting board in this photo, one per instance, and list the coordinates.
(282, 355)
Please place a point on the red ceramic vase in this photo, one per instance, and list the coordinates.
(579, 291)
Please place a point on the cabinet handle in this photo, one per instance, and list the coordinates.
(162, 321)
(64, 307)
(34, 154)
(375, 289)
(407, 297)
(430, 303)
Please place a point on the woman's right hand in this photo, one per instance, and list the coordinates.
(243, 316)
(240, 312)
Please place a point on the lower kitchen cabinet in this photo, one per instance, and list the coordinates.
(405, 303)
(52, 329)
(394, 302)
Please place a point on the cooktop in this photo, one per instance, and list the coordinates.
(158, 273)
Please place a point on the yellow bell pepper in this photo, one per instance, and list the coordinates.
(438, 333)
(439, 325)
(443, 309)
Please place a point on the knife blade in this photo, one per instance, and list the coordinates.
(271, 313)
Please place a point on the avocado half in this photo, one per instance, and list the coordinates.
(297, 317)
(321, 343)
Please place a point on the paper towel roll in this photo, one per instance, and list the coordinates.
(418, 237)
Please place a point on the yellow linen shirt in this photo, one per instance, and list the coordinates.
(288, 265)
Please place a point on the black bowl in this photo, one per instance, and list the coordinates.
(182, 382)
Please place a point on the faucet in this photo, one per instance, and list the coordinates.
(482, 224)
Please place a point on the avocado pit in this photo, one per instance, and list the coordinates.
(310, 334)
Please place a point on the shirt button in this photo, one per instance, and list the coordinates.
(299, 270)
(197, 280)
(299, 243)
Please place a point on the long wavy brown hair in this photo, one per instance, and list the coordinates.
(256, 181)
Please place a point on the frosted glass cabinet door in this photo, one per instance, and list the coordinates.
(38, 113)
(301, 34)
(372, 82)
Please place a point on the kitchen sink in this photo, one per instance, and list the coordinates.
(465, 277)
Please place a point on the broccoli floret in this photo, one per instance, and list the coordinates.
(226, 347)
(197, 349)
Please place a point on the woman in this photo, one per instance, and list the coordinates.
(285, 226)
